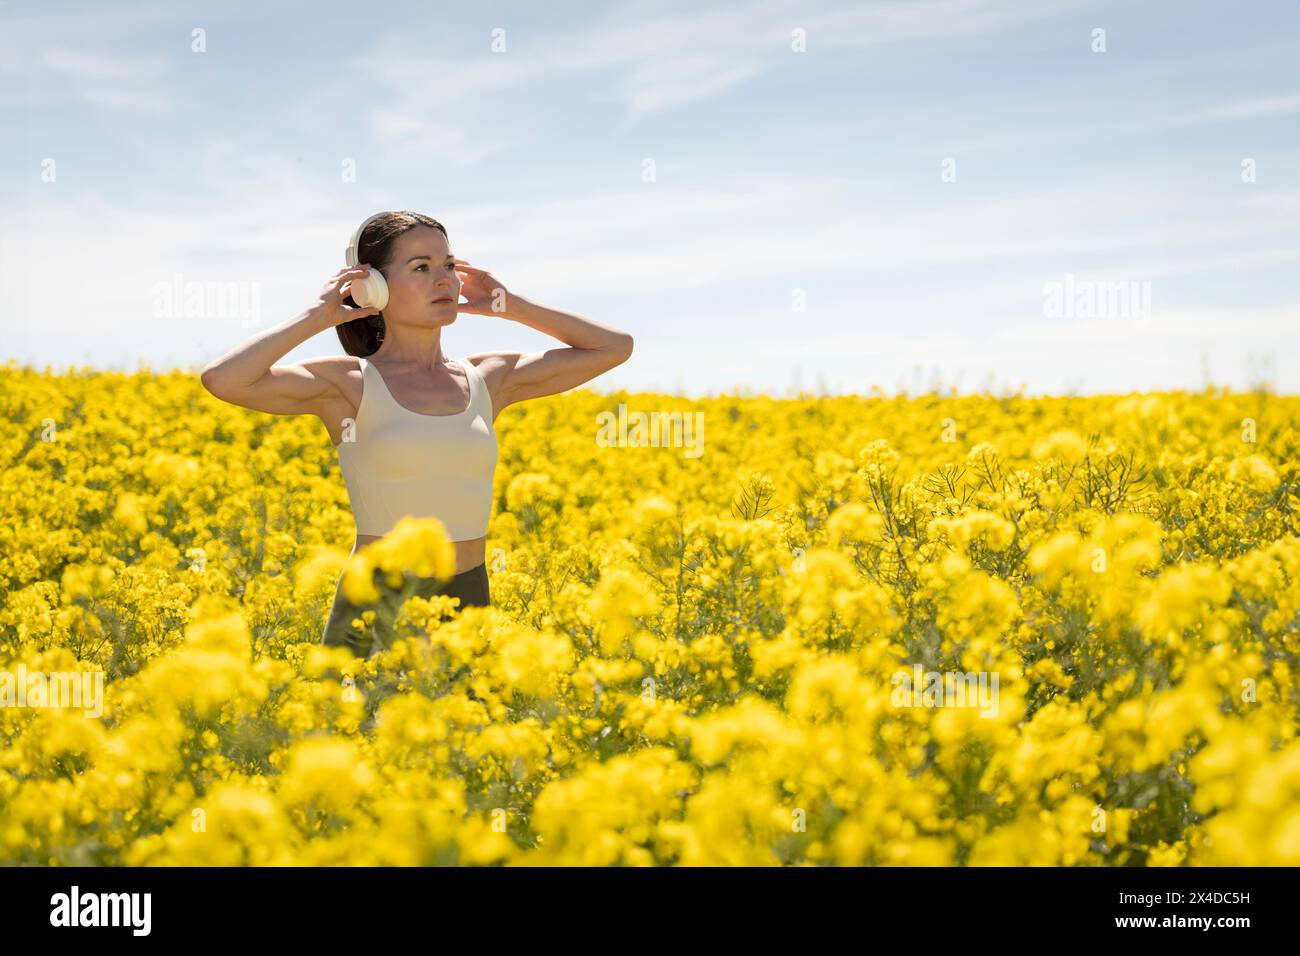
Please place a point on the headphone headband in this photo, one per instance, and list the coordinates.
(350, 254)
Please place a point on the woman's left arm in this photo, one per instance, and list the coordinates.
(518, 376)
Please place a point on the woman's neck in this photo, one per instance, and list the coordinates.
(422, 351)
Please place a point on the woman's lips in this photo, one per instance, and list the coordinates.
(443, 299)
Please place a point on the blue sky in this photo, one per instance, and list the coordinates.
(799, 231)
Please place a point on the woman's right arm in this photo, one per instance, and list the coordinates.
(247, 375)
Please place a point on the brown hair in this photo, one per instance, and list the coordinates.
(362, 336)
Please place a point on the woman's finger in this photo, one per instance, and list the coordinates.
(353, 272)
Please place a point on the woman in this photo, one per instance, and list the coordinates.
(414, 428)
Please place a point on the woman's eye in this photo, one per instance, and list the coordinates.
(421, 266)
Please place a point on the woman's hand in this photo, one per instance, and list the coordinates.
(483, 294)
(331, 308)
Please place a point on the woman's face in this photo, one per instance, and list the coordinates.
(421, 271)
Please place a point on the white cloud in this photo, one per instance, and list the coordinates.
(1076, 122)
(143, 100)
(665, 60)
(88, 66)
(680, 80)
(435, 136)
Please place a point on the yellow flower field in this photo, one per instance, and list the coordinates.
(724, 658)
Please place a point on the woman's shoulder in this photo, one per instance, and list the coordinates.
(327, 362)
(484, 361)
(344, 372)
(332, 366)
(493, 366)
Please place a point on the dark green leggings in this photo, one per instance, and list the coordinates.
(471, 586)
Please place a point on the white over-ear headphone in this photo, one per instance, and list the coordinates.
(370, 291)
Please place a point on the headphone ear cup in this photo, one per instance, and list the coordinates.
(371, 292)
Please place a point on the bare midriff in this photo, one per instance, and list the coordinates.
(469, 554)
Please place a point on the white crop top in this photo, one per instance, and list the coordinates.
(396, 462)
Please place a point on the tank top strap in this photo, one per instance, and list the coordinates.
(374, 390)
(365, 379)
(477, 387)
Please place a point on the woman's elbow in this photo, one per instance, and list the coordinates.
(212, 380)
(623, 348)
